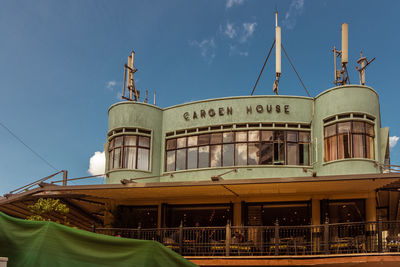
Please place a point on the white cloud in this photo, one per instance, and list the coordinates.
(230, 30)
(295, 9)
(231, 3)
(207, 48)
(248, 30)
(97, 163)
(111, 85)
(245, 53)
(393, 141)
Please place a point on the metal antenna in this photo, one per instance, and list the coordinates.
(129, 82)
(341, 75)
(363, 61)
(278, 60)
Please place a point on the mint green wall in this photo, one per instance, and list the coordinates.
(345, 99)
(334, 101)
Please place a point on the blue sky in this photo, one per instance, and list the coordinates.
(61, 64)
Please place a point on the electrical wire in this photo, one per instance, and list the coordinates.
(269, 53)
(298, 76)
(31, 149)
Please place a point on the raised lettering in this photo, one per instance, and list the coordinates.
(211, 112)
(259, 109)
(287, 109)
(278, 109)
(229, 110)
(194, 115)
(186, 115)
(269, 108)
(248, 109)
(221, 111)
(202, 113)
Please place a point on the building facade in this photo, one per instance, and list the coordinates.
(256, 160)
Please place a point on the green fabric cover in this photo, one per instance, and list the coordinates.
(29, 243)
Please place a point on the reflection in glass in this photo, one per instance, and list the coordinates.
(216, 138)
(267, 153)
(267, 135)
(228, 137)
(204, 139)
(292, 152)
(228, 154)
(171, 144)
(192, 158)
(241, 136)
(170, 161)
(130, 141)
(181, 142)
(254, 152)
(204, 156)
(215, 159)
(117, 157)
(241, 154)
(192, 140)
(181, 159)
(291, 136)
(254, 136)
(344, 146)
(303, 153)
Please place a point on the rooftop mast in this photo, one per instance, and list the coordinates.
(278, 61)
(129, 81)
(341, 75)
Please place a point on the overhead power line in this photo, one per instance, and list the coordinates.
(31, 149)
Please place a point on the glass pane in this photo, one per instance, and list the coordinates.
(267, 153)
(110, 160)
(216, 138)
(117, 157)
(370, 147)
(204, 139)
(144, 141)
(291, 136)
(344, 145)
(143, 159)
(228, 137)
(303, 154)
(215, 156)
(171, 144)
(344, 127)
(330, 130)
(358, 127)
(292, 154)
(279, 153)
(369, 129)
(181, 142)
(204, 152)
(118, 141)
(192, 158)
(358, 146)
(267, 135)
(278, 136)
(330, 148)
(241, 154)
(192, 141)
(181, 159)
(254, 136)
(130, 157)
(111, 145)
(304, 137)
(241, 136)
(170, 161)
(254, 153)
(228, 154)
(130, 141)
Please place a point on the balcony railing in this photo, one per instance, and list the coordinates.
(338, 238)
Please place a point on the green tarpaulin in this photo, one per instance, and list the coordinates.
(28, 243)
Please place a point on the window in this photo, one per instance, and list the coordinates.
(238, 148)
(350, 139)
(130, 152)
